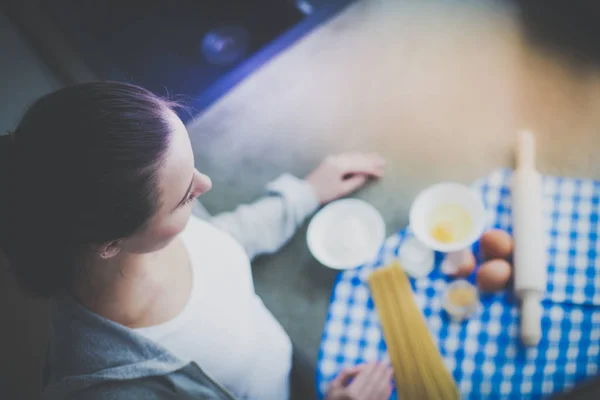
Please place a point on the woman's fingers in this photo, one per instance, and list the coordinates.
(360, 386)
(379, 382)
(359, 163)
(342, 174)
(386, 387)
(353, 183)
(373, 383)
(345, 376)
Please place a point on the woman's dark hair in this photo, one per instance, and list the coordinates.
(80, 170)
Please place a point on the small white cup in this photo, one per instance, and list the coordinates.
(457, 312)
(436, 196)
(346, 234)
(447, 193)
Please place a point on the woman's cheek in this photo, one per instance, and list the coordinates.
(178, 224)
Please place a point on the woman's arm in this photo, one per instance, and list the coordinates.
(264, 226)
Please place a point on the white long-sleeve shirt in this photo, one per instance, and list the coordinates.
(225, 327)
(264, 226)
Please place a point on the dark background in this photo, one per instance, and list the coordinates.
(159, 45)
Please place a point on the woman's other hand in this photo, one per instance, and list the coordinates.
(365, 382)
(342, 174)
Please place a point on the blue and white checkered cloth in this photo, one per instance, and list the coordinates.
(484, 354)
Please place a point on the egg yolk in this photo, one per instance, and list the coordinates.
(461, 297)
(450, 223)
(442, 233)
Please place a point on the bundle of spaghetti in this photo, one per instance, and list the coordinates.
(419, 369)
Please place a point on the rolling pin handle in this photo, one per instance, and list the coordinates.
(526, 150)
(531, 318)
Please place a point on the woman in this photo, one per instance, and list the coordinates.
(143, 293)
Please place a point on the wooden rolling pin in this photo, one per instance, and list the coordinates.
(530, 257)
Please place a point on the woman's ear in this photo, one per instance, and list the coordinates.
(109, 249)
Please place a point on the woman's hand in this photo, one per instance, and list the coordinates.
(369, 382)
(342, 174)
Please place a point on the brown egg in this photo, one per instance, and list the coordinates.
(466, 266)
(496, 243)
(493, 275)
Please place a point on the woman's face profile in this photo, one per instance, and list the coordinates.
(179, 184)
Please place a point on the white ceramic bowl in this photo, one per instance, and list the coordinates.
(447, 193)
(346, 234)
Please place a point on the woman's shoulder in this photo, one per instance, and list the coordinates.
(197, 228)
(200, 229)
(205, 241)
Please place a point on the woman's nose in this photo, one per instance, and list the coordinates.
(203, 184)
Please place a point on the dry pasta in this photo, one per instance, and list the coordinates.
(419, 369)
